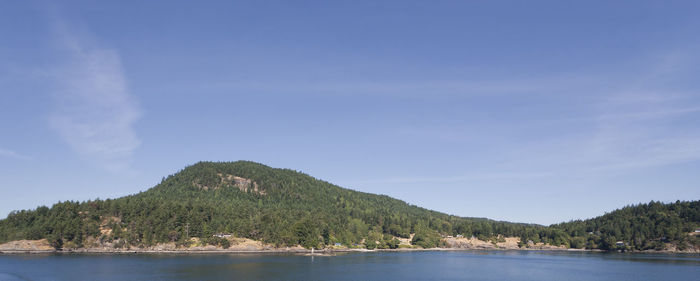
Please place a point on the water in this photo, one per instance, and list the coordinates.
(463, 265)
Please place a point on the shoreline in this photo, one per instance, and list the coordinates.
(323, 252)
(247, 246)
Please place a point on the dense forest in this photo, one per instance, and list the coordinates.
(286, 208)
(651, 226)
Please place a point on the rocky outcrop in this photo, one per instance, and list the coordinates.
(228, 180)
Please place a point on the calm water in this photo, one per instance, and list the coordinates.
(468, 265)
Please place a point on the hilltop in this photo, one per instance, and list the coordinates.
(243, 203)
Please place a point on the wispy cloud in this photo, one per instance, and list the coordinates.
(648, 122)
(646, 133)
(94, 111)
(12, 154)
(455, 179)
(429, 89)
(619, 123)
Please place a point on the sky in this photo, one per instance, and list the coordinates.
(525, 111)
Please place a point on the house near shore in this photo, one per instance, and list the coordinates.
(697, 230)
(620, 244)
(222, 235)
(338, 244)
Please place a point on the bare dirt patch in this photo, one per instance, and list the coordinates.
(405, 241)
(27, 245)
(510, 243)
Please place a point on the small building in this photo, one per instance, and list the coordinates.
(222, 235)
(620, 244)
(460, 236)
(697, 230)
(338, 244)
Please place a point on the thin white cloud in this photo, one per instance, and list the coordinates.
(625, 123)
(12, 154)
(649, 121)
(655, 114)
(94, 111)
(419, 89)
(455, 179)
(646, 133)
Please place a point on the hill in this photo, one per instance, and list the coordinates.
(283, 207)
(651, 226)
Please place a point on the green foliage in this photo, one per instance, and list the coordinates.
(55, 241)
(639, 227)
(399, 231)
(426, 238)
(306, 234)
(577, 242)
(286, 208)
(218, 241)
(225, 243)
(391, 243)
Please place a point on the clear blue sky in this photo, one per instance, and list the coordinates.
(529, 111)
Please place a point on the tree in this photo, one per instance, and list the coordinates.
(55, 241)
(306, 235)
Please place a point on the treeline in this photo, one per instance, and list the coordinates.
(285, 208)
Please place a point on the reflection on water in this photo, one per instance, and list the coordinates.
(658, 258)
(461, 265)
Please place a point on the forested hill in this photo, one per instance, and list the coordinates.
(285, 208)
(251, 200)
(640, 227)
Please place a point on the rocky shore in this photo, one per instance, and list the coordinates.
(242, 245)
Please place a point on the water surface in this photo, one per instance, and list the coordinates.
(462, 265)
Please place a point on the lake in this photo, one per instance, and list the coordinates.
(438, 265)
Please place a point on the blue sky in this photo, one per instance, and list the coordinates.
(529, 111)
